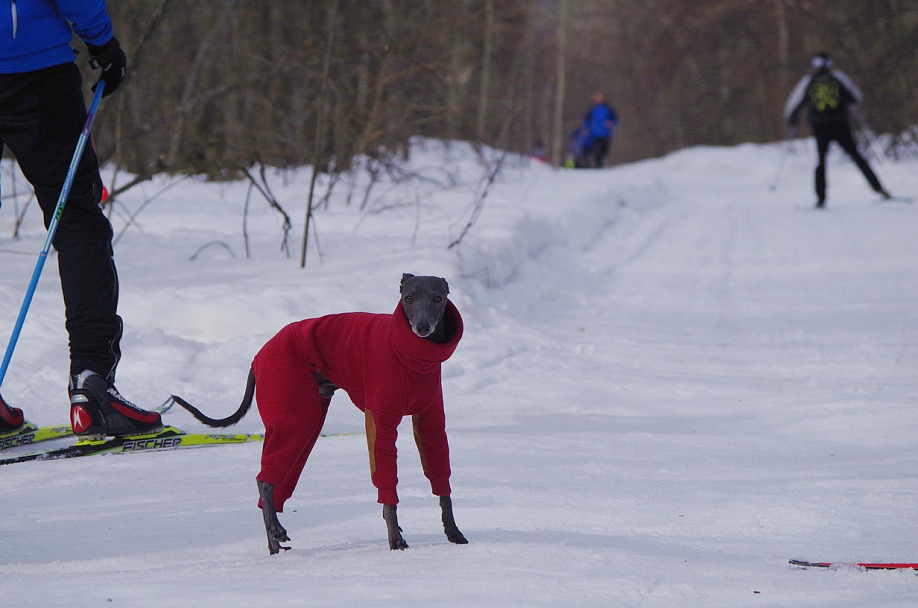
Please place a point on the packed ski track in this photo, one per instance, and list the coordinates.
(673, 380)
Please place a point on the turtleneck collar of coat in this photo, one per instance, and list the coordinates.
(419, 354)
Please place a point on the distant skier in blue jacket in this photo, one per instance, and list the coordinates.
(42, 113)
(598, 125)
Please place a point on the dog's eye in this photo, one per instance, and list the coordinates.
(409, 299)
(438, 299)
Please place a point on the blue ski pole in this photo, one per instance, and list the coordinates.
(52, 228)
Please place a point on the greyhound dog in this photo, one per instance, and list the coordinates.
(389, 365)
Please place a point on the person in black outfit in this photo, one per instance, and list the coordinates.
(42, 113)
(831, 98)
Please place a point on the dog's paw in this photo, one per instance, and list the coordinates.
(276, 535)
(449, 522)
(397, 543)
(275, 538)
(453, 535)
(393, 531)
(274, 547)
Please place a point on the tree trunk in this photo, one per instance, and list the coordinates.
(560, 82)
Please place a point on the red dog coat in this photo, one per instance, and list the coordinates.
(386, 370)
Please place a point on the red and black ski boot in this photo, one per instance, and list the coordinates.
(98, 410)
(10, 417)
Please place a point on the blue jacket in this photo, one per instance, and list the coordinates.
(36, 34)
(595, 122)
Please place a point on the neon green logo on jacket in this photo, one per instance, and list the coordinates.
(825, 93)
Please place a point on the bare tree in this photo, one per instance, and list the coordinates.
(485, 89)
(320, 124)
(560, 81)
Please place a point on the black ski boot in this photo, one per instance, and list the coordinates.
(10, 417)
(97, 410)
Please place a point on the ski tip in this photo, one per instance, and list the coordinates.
(803, 563)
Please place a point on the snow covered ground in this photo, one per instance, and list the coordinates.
(673, 379)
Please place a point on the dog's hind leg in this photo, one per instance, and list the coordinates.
(449, 522)
(276, 532)
(396, 542)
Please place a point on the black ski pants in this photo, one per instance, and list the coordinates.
(826, 133)
(597, 152)
(41, 116)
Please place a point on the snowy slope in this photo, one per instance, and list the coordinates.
(672, 381)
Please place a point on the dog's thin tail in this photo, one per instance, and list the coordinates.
(232, 418)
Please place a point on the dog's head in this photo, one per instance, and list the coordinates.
(424, 300)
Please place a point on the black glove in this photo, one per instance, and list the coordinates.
(113, 62)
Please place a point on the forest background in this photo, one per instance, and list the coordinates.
(216, 86)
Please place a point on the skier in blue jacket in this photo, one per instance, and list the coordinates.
(598, 125)
(42, 113)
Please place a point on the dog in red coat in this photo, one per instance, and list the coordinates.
(389, 365)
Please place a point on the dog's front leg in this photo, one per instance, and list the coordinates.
(449, 522)
(395, 533)
(273, 527)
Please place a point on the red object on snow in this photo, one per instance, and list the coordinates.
(863, 565)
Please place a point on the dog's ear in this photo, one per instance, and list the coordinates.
(405, 277)
(445, 284)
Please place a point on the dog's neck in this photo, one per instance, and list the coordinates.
(439, 334)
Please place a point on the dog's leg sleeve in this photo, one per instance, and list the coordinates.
(293, 413)
(449, 522)
(433, 447)
(396, 542)
(316, 422)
